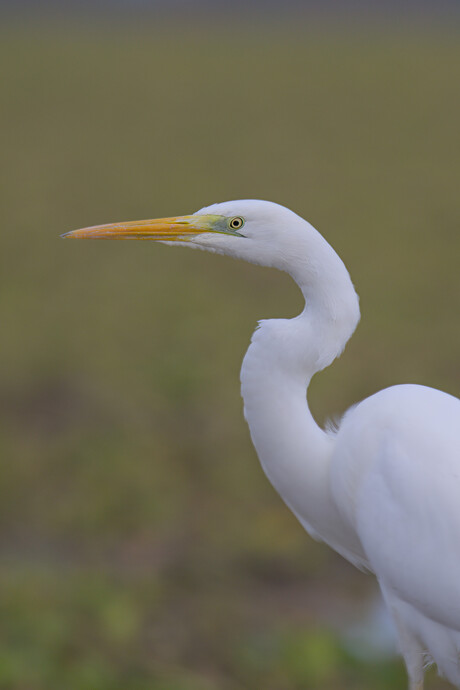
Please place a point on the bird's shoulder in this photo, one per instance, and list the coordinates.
(406, 440)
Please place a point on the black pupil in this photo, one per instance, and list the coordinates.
(236, 223)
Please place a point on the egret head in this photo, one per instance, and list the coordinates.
(258, 231)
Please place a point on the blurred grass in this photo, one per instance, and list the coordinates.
(141, 545)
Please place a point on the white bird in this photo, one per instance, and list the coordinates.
(384, 488)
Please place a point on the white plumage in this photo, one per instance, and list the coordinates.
(384, 489)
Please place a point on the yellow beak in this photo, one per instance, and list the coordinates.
(177, 228)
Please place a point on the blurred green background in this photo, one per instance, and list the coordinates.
(141, 545)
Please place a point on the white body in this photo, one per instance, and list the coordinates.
(384, 490)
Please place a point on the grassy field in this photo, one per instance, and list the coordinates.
(141, 545)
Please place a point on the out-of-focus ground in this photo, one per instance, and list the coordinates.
(141, 546)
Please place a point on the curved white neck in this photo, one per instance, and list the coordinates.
(283, 356)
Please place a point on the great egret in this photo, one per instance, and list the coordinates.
(384, 488)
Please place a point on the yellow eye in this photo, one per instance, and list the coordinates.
(236, 223)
